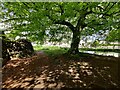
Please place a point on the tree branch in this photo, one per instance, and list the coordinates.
(81, 20)
(112, 5)
(108, 9)
(107, 6)
(62, 10)
(63, 22)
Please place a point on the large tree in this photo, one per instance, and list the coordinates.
(38, 20)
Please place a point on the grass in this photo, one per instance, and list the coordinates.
(51, 50)
(54, 50)
(109, 44)
(102, 50)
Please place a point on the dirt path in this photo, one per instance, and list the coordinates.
(41, 71)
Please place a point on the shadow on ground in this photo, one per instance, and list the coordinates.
(42, 71)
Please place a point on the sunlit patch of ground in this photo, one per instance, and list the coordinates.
(42, 71)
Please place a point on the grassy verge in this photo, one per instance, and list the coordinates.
(54, 51)
(51, 50)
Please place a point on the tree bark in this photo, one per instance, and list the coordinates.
(74, 49)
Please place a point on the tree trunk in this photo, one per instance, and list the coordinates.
(74, 49)
(76, 33)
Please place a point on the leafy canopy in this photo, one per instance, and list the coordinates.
(36, 20)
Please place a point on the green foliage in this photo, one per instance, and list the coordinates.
(113, 35)
(36, 20)
(95, 43)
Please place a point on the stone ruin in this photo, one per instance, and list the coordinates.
(20, 48)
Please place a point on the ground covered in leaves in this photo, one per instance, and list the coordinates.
(61, 71)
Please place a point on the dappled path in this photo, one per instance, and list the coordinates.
(42, 71)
